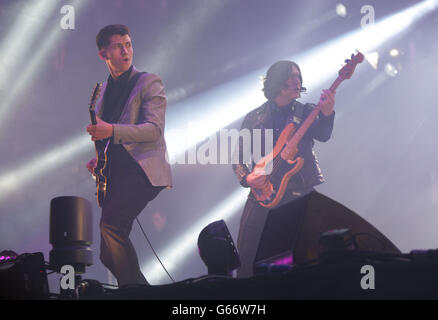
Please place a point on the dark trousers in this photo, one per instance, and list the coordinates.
(127, 196)
(251, 227)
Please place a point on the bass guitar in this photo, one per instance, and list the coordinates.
(282, 159)
(100, 171)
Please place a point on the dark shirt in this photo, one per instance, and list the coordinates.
(280, 116)
(121, 162)
(114, 93)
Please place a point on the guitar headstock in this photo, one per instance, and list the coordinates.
(95, 95)
(347, 71)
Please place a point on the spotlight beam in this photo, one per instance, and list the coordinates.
(31, 70)
(20, 37)
(16, 178)
(179, 35)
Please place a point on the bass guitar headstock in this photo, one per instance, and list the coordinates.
(347, 71)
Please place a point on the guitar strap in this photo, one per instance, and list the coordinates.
(296, 116)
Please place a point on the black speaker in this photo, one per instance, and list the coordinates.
(71, 233)
(293, 230)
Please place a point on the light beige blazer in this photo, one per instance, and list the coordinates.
(140, 128)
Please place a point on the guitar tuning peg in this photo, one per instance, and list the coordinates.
(347, 60)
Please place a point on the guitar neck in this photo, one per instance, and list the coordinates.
(299, 134)
(93, 116)
(101, 145)
(336, 84)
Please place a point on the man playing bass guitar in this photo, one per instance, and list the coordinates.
(283, 84)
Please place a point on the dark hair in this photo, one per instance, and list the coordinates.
(104, 35)
(276, 78)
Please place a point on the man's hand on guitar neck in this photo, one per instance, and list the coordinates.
(327, 102)
(101, 130)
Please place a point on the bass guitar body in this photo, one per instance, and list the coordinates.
(282, 165)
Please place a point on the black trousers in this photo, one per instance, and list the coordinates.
(251, 227)
(128, 194)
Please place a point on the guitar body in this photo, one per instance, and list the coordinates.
(101, 169)
(282, 165)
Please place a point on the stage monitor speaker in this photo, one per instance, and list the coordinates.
(294, 229)
(71, 233)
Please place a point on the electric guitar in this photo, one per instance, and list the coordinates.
(282, 159)
(100, 171)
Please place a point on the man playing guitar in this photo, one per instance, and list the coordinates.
(130, 113)
(282, 86)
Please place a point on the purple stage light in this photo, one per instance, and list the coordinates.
(7, 256)
(286, 260)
